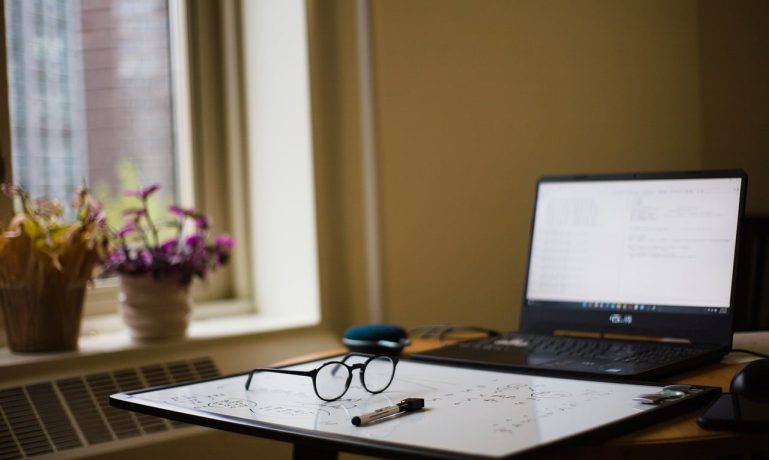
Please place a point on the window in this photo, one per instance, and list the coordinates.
(92, 88)
(157, 97)
(91, 97)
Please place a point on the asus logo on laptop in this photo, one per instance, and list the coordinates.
(620, 319)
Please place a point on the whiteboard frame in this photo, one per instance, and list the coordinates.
(364, 446)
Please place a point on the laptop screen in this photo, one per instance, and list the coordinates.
(627, 245)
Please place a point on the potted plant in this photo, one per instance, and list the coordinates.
(156, 271)
(46, 260)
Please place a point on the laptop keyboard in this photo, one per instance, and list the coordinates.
(629, 352)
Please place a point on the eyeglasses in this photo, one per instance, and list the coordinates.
(332, 379)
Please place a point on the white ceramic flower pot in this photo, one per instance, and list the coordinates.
(154, 309)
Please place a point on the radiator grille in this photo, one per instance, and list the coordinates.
(53, 416)
(74, 412)
(30, 438)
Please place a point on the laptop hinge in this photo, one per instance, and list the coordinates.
(614, 336)
(582, 334)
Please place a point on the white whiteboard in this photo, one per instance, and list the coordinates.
(467, 411)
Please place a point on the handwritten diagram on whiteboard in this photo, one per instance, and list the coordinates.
(475, 412)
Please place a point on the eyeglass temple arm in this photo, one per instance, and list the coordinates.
(350, 355)
(278, 371)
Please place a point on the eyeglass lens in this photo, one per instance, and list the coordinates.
(333, 379)
(378, 374)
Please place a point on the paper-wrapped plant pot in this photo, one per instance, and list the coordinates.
(155, 309)
(43, 316)
(46, 260)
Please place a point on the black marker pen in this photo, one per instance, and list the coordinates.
(407, 405)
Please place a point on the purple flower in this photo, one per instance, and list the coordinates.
(202, 222)
(129, 227)
(195, 242)
(182, 257)
(169, 246)
(145, 257)
(224, 242)
(143, 192)
(182, 212)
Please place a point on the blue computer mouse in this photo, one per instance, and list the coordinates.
(387, 339)
(752, 381)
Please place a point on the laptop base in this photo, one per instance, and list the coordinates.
(525, 359)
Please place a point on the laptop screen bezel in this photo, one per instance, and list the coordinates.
(713, 329)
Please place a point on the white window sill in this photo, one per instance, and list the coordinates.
(107, 334)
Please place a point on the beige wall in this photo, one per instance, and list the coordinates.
(475, 99)
(735, 91)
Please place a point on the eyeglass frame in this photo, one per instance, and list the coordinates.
(313, 373)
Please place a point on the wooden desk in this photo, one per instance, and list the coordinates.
(682, 438)
(679, 438)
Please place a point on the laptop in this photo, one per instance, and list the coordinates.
(628, 276)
